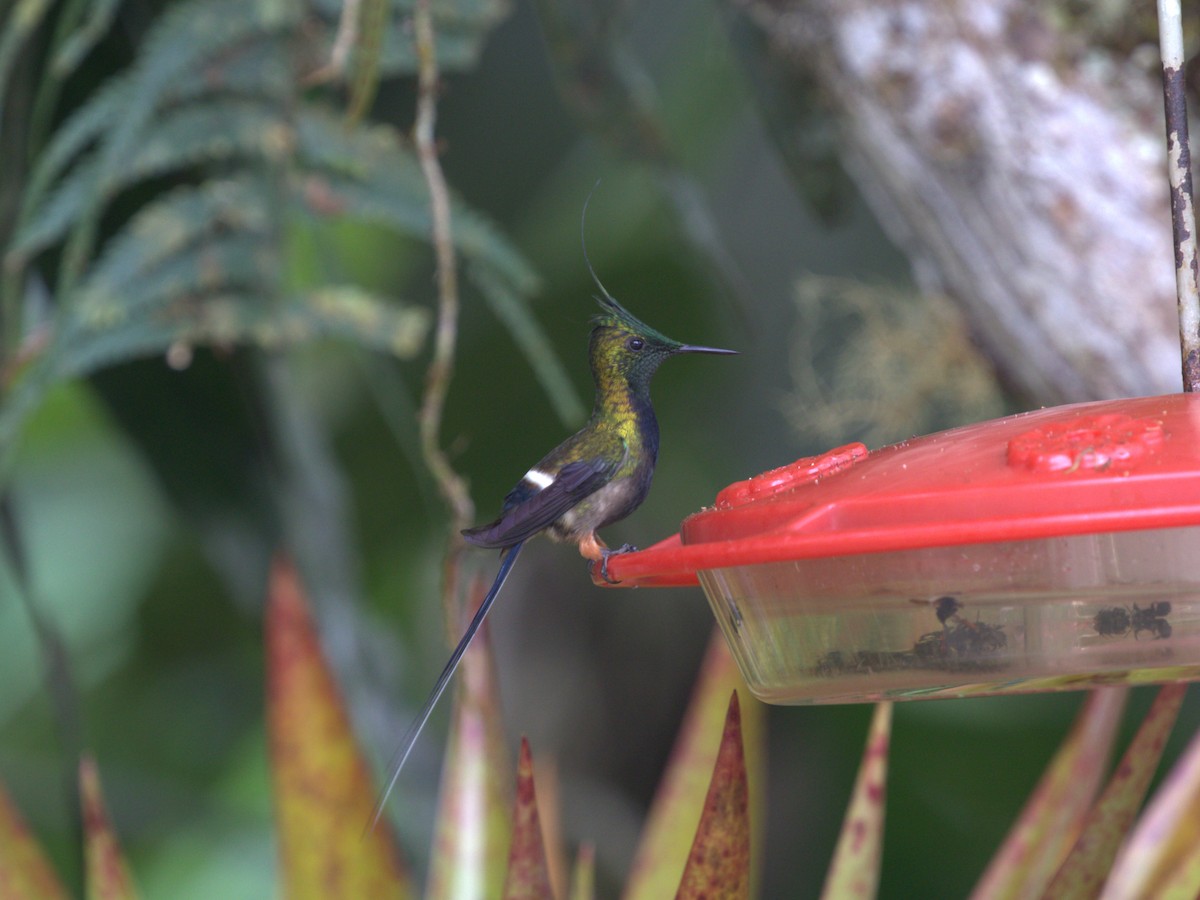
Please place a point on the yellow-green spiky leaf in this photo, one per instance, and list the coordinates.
(470, 854)
(670, 827)
(528, 872)
(718, 864)
(1086, 867)
(1053, 815)
(25, 870)
(108, 875)
(323, 790)
(1162, 856)
(854, 872)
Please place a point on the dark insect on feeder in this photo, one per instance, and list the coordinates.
(931, 647)
(838, 662)
(1116, 621)
(972, 639)
(945, 608)
(1112, 621)
(961, 646)
(1153, 619)
(832, 663)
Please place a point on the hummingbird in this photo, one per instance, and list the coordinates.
(596, 477)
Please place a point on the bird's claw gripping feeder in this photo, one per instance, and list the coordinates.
(1052, 550)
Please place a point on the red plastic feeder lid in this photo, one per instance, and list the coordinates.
(1116, 465)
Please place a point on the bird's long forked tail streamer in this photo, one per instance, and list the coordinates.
(414, 731)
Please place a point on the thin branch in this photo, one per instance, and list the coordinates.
(343, 43)
(1179, 170)
(441, 368)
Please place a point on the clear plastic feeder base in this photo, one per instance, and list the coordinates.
(1017, 617)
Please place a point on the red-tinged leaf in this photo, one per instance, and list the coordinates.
(528, 874)
(1054, 814)
(1162, 856)
(854, 871)
(107, 875)
(545, 773)
(583, 878)
(25, 871)
(470, 855)
(1087, 865)
(670, 827)
(718, 865)
(323, 791)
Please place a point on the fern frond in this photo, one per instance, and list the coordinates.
(183, 37)
(23, 20)
(368, 174)
(373, 15)
(228, 262)
(219, 130)
(79, 131)
(226, 319)
(186, 220)
(200, 265)
(80, 42)
(213, 90)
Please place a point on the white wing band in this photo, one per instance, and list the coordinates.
(539, 479)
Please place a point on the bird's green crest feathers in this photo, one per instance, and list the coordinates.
(613, 313)
(617, 315)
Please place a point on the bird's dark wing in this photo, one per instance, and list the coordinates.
(540, 510)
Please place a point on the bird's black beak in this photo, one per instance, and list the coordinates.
(692, 348)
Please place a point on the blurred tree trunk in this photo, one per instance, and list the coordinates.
(1020, 169)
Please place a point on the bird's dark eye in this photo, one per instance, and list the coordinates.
(635, 343)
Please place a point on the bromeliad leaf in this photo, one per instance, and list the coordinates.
(1053, 815)
(1161, 858)
(1085, 868)
(474, 823)
(583, 877)
(854, 871)
(719, 862)
(670, 832)
(528, 871)
(107, 875)
(322, 784)
(25, 869)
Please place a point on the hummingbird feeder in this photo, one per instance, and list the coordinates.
(1052, 550)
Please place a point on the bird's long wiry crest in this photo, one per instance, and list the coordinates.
(613, 312)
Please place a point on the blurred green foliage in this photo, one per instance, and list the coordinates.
(187, 228)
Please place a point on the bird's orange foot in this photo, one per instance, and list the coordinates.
(606, 553)
(591, 547)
